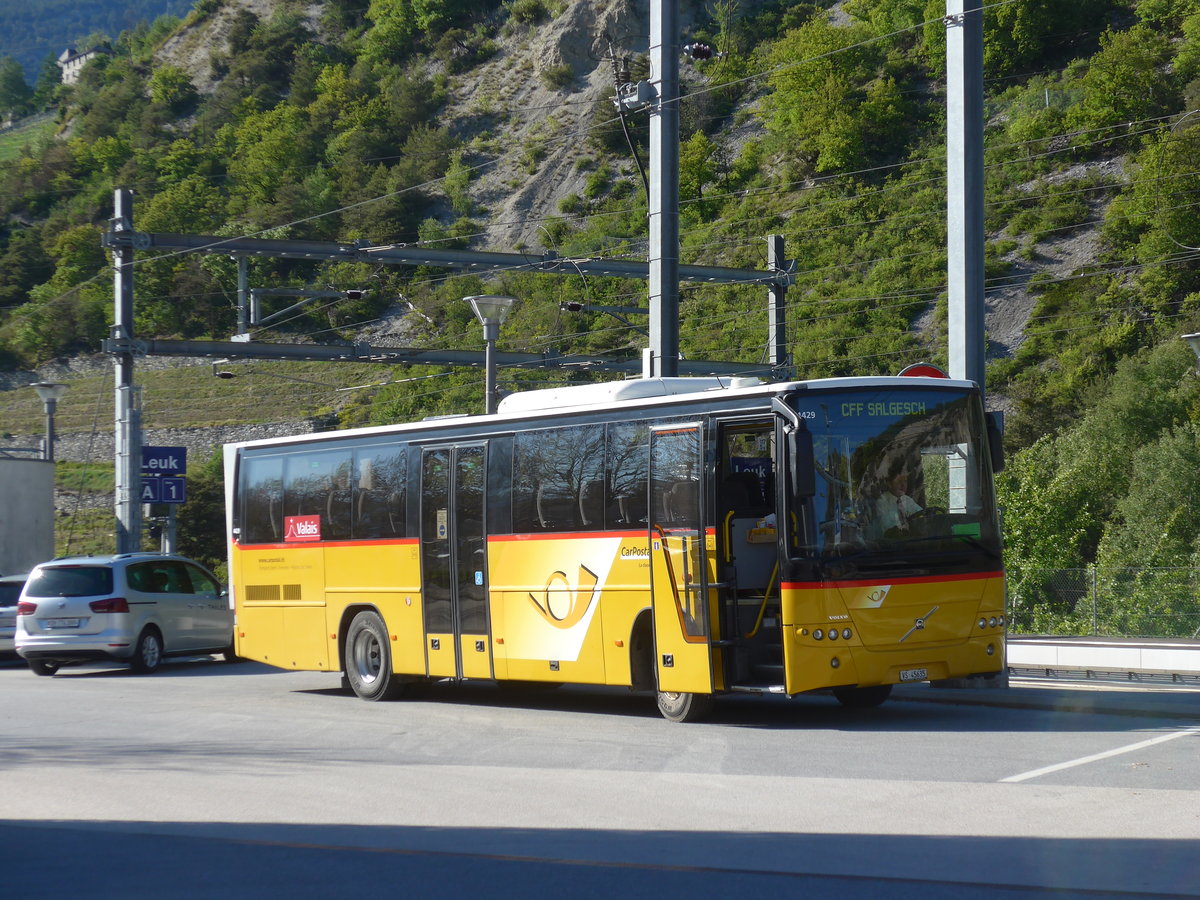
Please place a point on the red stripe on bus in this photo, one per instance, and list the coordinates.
(562, 535)
(572, 535)
(311, 545)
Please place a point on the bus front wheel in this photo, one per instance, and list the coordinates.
(684, 707)
(369, 659)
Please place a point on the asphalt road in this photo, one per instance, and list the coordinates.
(243, 781)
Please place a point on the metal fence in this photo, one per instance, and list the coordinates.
(1112, 602)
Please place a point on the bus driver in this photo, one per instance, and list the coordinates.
(895, 508)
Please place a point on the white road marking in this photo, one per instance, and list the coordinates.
(1084, 760)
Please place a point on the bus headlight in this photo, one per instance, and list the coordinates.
(818, 633)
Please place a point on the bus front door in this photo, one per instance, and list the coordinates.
(454, 574)
(679, 552)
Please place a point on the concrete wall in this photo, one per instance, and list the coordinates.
(26, 513)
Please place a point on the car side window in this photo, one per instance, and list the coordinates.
(201, 584)
(140, 578)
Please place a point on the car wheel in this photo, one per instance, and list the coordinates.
(684, 707)
(368, 663)
(862, 697)
(148, 654)
(41, 667)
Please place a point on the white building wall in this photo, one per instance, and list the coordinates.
(26, 513)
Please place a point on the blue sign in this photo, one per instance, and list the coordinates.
(150, 490)
(173, 490)
(164, 460)
(163, 489)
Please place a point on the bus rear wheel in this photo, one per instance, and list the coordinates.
(863, 697)
(683, 707)
(368, 663)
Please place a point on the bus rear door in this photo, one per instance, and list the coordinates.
(454, 578)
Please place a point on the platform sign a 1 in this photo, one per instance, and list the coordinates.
(163, 489)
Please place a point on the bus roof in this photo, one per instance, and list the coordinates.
(634, 391)
(609, 392)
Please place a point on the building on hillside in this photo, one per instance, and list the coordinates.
(71, 63)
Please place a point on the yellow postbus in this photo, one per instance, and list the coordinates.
(683, 536)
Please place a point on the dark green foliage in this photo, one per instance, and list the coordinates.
(16, 97)
(201, 520)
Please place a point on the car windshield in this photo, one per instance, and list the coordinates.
(70, 581)
(9, 592)
(903, 472)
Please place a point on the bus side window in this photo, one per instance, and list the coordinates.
(261, 499)
(627, 468)
(552, 470)
(380, 479)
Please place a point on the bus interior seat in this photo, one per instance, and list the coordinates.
(683, 502)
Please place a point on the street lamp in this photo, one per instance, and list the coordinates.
(50, 392)
(490, 310)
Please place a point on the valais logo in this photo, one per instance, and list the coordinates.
(302, 528)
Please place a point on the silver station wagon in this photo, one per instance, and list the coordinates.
(133, 607)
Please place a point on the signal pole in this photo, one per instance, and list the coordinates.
(663, 358)
(128, 426)
(964, 189)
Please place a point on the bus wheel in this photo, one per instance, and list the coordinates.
(369, 659)
(863, 697)
(682, 707)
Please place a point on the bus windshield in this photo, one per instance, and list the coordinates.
(900, 471)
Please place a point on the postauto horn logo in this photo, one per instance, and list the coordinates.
(562, 605)
(302, 528)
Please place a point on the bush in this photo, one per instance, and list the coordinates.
(557, 77)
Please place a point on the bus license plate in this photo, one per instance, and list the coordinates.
(914, 674)
(62, 623)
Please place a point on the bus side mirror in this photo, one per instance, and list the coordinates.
(800, 454)
(995, 435)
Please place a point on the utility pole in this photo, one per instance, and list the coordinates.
(777, 352)
(663, 358)
(127, 425)
(964, 189)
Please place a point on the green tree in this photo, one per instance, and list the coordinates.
(697, 170)
(16, 97)
(201, 520)
(824, 104)
(172, 87)
(1126, 81)
(49, 80)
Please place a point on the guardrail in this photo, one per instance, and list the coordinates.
(1151, 660)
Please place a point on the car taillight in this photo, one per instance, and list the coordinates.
(25, 608)
(111, 605)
